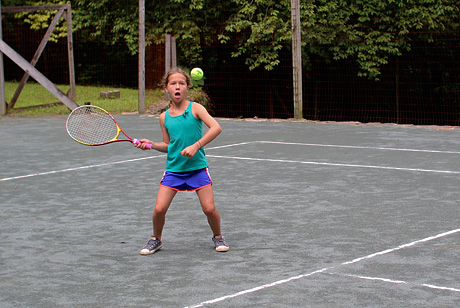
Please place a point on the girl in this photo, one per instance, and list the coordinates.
(186, 165)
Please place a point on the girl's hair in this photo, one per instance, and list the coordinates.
(174, 70)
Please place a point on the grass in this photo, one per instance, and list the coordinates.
(36, 101)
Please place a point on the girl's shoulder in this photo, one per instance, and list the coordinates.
(163, 116)
(197, 109)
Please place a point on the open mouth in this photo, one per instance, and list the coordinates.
(177, 94)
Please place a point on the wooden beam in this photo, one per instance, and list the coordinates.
(35, 58)
(18, 9)
(35, 74)
(65, 10)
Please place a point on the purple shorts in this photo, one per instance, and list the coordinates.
(191, 181)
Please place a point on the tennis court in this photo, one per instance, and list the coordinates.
(316, 215)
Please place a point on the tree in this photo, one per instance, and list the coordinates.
(194, 23)
(260, 30)
(370, 31)
(40, 19)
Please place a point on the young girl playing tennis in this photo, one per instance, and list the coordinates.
(186, 165)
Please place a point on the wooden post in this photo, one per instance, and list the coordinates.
(397, 90)
(173, 52)
(170, 52)
(68, 17)
(141, 66)
(2, 77)
(167, 53)
(296, 59)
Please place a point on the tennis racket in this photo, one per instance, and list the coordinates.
(92, 125)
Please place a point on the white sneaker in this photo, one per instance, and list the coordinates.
(220, 244)
(153, 245)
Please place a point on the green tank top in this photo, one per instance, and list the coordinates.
(184, 130)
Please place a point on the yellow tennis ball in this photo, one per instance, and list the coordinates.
(197, 73)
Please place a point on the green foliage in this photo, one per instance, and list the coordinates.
(194, 23)
(369, 31)
(13, 2)
(42, 19)
(111, 21)
(261, 29)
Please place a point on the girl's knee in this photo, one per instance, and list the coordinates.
(160, 211)
(210, 211)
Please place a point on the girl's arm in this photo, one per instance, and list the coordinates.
(202, 114)
(159, 146)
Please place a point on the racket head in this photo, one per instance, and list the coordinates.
(92, 125)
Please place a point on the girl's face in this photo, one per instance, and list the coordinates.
(177, 87)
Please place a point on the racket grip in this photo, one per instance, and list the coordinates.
(147, 145)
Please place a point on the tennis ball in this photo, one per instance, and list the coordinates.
(197, 73)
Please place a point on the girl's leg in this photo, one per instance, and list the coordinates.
(206, 197)
(164, 199)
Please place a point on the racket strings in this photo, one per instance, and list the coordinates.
(91, 126)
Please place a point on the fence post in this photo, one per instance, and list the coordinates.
(296, 59)
(167, 53)
(141, 65)
(70, 47)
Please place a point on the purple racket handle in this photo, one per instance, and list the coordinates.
(147, 145)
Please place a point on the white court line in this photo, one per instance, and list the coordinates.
(325, 270)
(402, 247)
(105, 164)
(397, 282)
(271, 160)
(359, 147)
(265, 286)
(440, 288)
(334, 164)
(370, 278)
(230, 145)
(77, 168)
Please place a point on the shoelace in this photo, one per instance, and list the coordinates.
(152, 242)
(219, 241)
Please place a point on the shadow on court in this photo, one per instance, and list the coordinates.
(316, 215)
